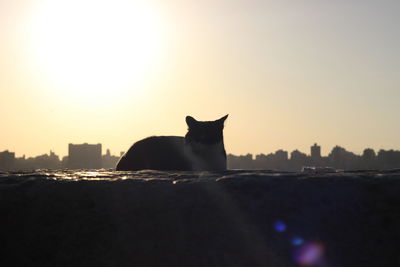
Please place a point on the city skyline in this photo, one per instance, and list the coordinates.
(90, 156)
(324, 151)
(308, 152)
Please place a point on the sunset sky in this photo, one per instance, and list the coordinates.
(288, 72)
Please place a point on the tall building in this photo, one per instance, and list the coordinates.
(315, 152)
(281, 155)
(84, 156)
(7, 160)
(109, 161)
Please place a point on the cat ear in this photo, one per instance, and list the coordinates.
(223, 118)
(190, 121)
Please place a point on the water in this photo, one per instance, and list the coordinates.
(175, 177)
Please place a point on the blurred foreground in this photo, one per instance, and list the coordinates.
(234, 218)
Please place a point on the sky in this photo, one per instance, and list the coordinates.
(288, 72)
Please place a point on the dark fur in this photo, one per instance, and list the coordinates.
(179, 153)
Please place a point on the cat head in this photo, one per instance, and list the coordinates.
(205, 132)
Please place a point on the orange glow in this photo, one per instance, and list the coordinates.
(102, 47)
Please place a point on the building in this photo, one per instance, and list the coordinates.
(109, 161)
(316, 152)
(7, 160)
(281, 155)
(240, 162)
(84, 156)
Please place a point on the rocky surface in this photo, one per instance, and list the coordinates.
(235, 218)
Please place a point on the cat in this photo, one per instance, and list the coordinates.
(202, 149)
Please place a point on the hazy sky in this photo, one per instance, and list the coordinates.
(288, 72)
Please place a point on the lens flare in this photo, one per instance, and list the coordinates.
(297, 241)
(280, 226)
(309, 254)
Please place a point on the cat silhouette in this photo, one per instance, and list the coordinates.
(202, 149)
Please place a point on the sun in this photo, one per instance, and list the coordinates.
(96, 46)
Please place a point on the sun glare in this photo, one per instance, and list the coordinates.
(87, 46)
